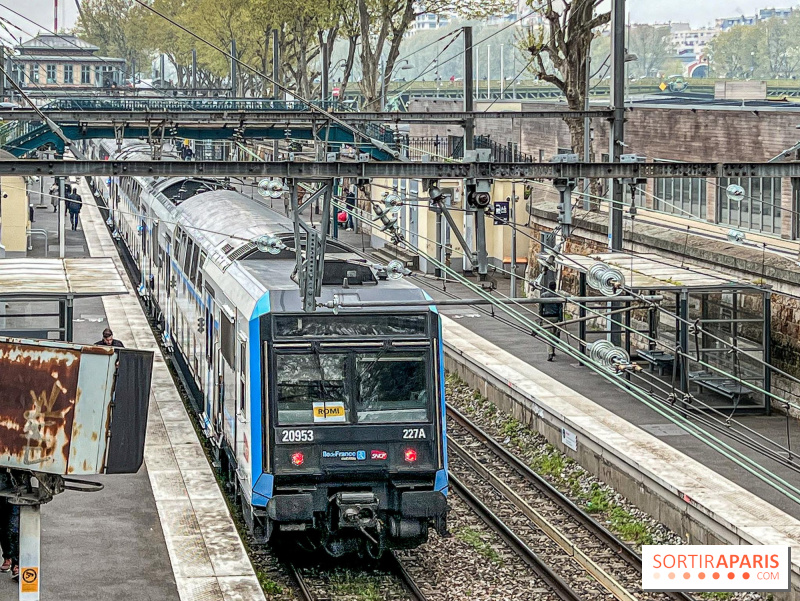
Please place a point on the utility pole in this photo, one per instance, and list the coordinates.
(325, 73)
(276, 58)
(488, 72)
(234, 74)
(469, 91)
(61, 205)
(161, 72)
(194, 71)
(618, 123)
(502, 72)
(616, 140)
(587, 128)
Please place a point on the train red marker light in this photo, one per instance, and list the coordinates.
(297, 459)
(411, 455)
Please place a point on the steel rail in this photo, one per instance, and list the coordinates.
(305, 592)
(624, 551)
(562, 590)
(395, 566)
(606, 580)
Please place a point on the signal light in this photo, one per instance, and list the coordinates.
(297, 459)
(410, 455)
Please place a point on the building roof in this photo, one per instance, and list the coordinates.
(62, 42)
(71, 58)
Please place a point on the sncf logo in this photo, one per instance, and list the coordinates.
(378, 455)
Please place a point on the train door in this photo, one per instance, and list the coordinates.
(210, 342)
(228, 344)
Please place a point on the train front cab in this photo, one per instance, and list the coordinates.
(354, 429)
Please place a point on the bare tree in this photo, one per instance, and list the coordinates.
(559, 49)
(652, 47)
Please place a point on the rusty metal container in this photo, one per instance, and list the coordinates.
(57, 405)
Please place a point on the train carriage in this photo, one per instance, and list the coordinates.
(329, 425)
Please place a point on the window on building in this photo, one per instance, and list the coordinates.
(68, 74)
(34, 77)
(760, 209)
(86, 74)
(51, 74)
(681, 196)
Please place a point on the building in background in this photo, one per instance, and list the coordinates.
(64, 61)
(690, 44)
(765, 13)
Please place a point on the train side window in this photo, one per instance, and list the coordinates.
(199, 282)
(193, 265)
(155, 251)
(176, 247)
(227, 340)
(187, 259)
(243, 379)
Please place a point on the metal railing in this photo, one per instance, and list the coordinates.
(185, 104)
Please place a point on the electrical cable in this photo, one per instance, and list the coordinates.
(312, 107)
(747, 463)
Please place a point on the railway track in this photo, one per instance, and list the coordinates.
(564, 536)
(408, 590)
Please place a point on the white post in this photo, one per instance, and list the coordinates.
(512, 213)
(502, 72)
(30, 526)
(488, 71)
(61, 217)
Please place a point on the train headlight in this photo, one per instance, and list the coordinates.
(410, 455)
(298, 459)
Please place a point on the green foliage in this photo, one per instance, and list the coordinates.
(767, 50)
(360, 587)
(475, 540)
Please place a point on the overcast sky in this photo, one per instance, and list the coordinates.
(697, 12)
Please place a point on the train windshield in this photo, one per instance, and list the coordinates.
(369, 388)
(392, 388)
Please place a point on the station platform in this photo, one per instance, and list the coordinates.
(700, 494)
(165, 533)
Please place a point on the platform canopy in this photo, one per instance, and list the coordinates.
(653, 272)
(60, 278)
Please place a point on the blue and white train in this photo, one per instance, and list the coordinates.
(328, 426)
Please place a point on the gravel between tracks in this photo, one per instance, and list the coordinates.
(597, 498)
(471, 564)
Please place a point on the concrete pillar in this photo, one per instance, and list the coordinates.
(711, 200)
(787, 208)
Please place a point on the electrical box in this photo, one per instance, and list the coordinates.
(69, 409)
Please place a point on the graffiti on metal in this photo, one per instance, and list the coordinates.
(53, 399)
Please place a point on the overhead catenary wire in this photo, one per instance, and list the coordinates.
(311, 106)
(747, 463)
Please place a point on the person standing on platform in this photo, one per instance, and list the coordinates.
(75, 205)
(350, 202)
(54, 196)
(109, 340)
(9, 531)
(553, 313)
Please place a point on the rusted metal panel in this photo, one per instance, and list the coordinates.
(55, 401)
